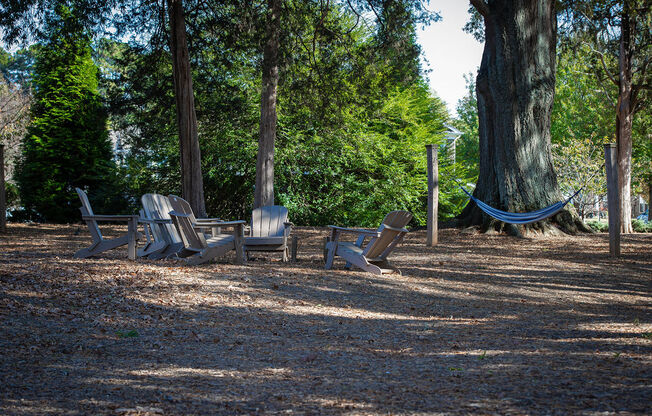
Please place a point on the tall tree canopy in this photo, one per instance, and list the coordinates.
(152, 22)
(395, 21)
(619, 34)
(353, 109)
(67, 143)
(336, 156)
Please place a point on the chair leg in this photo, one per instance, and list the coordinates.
(101, 246)
(331, 246)
(131, 244)
(240, 257)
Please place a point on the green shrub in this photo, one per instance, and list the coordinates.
(601, 227)
(641, 227)
(638, 226)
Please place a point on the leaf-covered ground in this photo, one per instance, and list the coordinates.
(478, 324)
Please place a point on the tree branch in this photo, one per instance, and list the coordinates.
(481, 7)
(604, 90)
(604, 64)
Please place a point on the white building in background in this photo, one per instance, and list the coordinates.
(638, 206)
(452, 134)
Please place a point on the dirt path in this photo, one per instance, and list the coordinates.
(478, 324)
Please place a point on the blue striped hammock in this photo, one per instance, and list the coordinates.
(520, 218)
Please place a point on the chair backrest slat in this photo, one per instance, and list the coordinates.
(164, 209)
(150, 212)
(86, 210)
(157, 206)
(268, 221)
(395, 219)
(181, 205)
(190, 237)
(84, 200)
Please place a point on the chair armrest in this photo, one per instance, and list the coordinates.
(225, 223)
(372, 233)
(288, 224)
(207, 219)
(218, 223)
(179, 214)
(110, 217)
(155, 220)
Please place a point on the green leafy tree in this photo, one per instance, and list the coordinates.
(619, 34)
(468, 152)
(67, 143)
(581, 125)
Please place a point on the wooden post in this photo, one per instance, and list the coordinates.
(433, 195)
(294, 247)
(3, 201)
(132, 230)
(613, 197)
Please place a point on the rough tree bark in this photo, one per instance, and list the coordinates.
(624, 120)
(515, 89)
(264, 192)
(192, 184)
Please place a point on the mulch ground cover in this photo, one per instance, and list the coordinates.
(479, 324)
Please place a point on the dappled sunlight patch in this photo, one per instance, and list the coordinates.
(232, 374)
(634, 327)
(348, 406)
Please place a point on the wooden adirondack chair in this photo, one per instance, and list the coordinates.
(205, 249)
(373, 256)
(99, 243)
(269, 230)
(162, 237)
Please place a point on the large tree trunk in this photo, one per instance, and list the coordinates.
(515, 89)
(192, 183)
(264, 192)
(624, 118)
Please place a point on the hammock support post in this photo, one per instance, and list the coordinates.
(433, 196)
(613, 197)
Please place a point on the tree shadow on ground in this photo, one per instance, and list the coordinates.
(109, 336)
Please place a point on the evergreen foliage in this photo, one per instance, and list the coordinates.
(353, 120)
(67, 143)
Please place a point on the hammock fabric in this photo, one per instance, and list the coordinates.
(522, 218)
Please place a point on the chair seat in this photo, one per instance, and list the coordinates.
(353, 249)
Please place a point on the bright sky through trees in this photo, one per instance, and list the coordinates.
(449, 50)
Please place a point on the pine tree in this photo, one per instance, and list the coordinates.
(67, 142)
